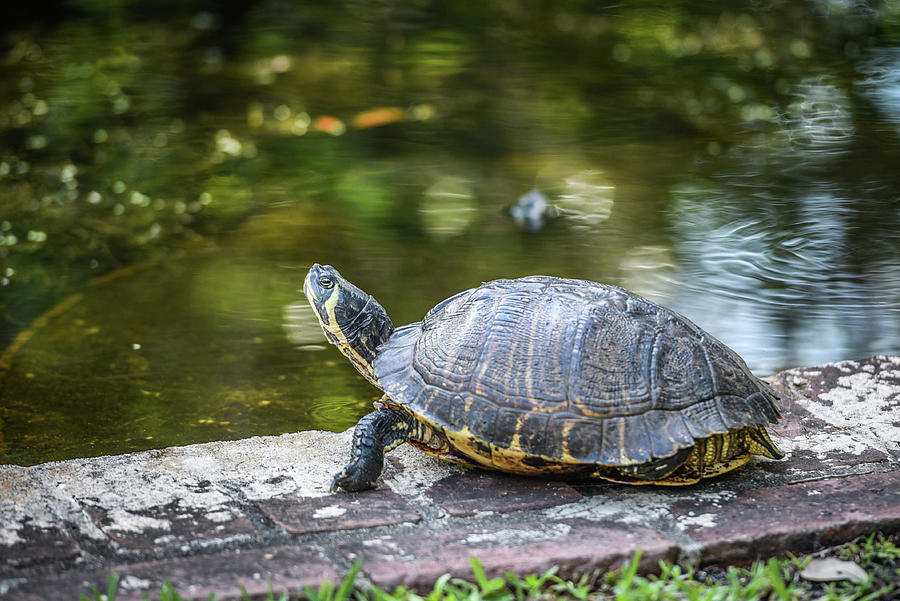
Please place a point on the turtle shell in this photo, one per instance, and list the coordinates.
(544, 372)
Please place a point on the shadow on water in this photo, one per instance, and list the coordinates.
(734, 162)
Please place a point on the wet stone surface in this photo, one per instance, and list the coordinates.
(218, 516)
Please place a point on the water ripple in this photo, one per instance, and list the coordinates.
(882, 81)
(778, 281)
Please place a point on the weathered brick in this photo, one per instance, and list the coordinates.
(763, 522)
(38, 546)
(577, 546)
(814, 381)
(286, 568)
(845, 448)
(797, 421)
(341, 511)
(804, 461)
(473, 492)
(867, 391)
(172, 525)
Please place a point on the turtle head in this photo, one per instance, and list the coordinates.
(351, 319)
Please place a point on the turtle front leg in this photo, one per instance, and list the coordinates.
(374, 435)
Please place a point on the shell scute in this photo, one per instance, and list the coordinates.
(483, 417)
(671, 433)
(612, 374)
(612, 444)
(703, 419)
(520, 431)
(638, 441)
(681, 371)
(579, 440)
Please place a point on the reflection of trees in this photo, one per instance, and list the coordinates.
(128, 131)
(798, 234)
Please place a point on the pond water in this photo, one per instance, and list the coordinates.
(167, 178)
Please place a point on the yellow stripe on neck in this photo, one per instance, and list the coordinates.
(343, 344)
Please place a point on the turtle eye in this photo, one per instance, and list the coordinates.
(326, 282)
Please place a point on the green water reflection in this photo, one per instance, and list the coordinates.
(734, 161)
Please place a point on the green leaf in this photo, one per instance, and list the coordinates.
(112, 586)
(167, 592)
(325, 592)
(343, 593)
(478, 570)
(628, 573)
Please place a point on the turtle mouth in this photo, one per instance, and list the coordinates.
(307, 289)
(324, 302)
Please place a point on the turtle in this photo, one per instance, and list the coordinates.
(547, 376)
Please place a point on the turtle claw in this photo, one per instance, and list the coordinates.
(351, 480)
(376, 433)
(336, 483)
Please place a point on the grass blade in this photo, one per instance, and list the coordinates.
(343, 593)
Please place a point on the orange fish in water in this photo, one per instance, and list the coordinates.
(378, 117)
(329, 125)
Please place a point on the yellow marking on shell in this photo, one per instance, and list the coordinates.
(623, 458)
(709, 457)
(462, 442)
(515, 444)
(511, 458)
(566, 435)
